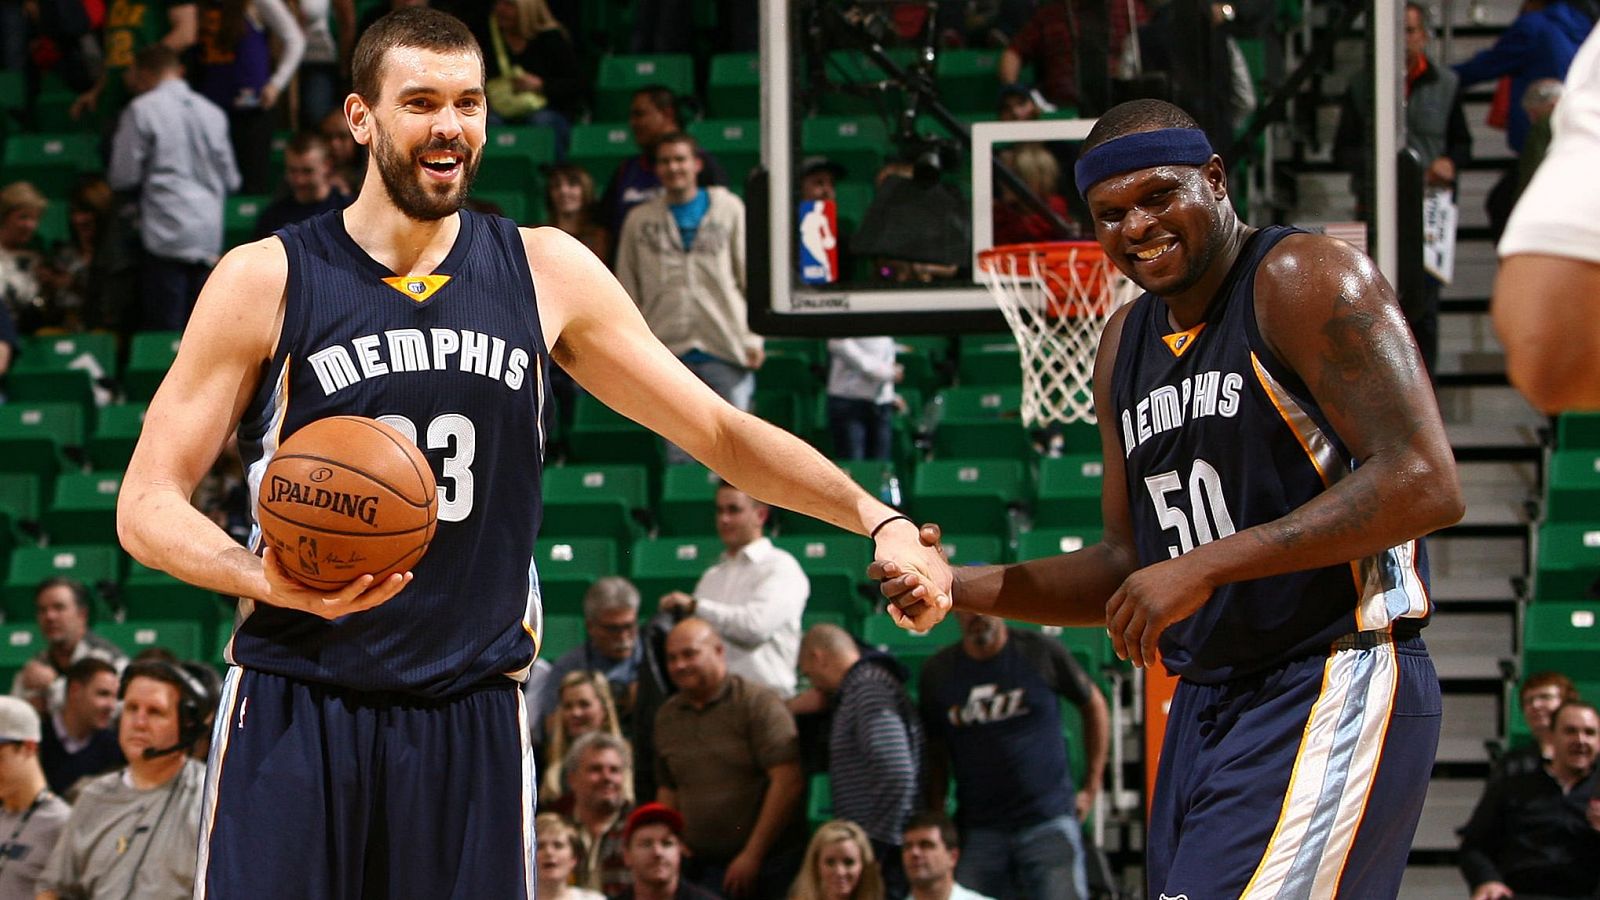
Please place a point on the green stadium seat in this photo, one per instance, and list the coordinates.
(150, 355)
(969, 80)
(561, 633)
(55, 224)
(513, 205)
(599, 147)
(1578, 431)
(855, 142)
(84, 508)
(150, 594)
(851, 199)
(183, 638)
(785, 410)
(661, 565)
(1562, 637)
(19, 642)
(919, 366)
(975, 492)
(51, 162)
(1572, 493)
(39, 437)
(219, 643)
(603, 501)
(94, 565)
(989, 361)
(837, 568)
(736, 143)
(116, 431)
(852, 67)
(688, 500)
(973, 549)
(909, 647)
(869, 473)
(13, 91)
(1567, 565)
(1043, 542)
(733, 90)
(567, 566)
(783, 370)
(819, 801)
(20, 502)
(280, 148)
(812, 617)
(1067, 492)
(981, 421)
(63, 368)
(603, 435)
(622, 74)
(239, 215)
(528, 146)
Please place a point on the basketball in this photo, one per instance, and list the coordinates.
(344, 497)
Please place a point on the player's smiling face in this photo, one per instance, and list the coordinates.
(1161, 226)
(427, 129)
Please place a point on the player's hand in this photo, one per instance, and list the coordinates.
(1150, 600)
(740, 878)
(86, 102)
(1492, 890)
(678, 603)
(1084, 803)
(357, 596)
(913, 575)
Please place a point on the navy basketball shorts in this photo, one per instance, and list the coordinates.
(1305, 781)
(318, 793)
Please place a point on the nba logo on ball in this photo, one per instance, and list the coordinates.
(819, 248)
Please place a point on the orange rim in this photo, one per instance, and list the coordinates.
(1069, 262)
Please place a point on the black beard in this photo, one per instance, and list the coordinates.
(416, 201)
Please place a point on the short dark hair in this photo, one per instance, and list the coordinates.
(156, 58)
(80, 594)
(418, 27)
(304, 142)
(935, 818)
(662, 98)
(84, 670)
(675, 137)
(1135, 116)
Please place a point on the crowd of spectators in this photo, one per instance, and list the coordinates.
(101, 762)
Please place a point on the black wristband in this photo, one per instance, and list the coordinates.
(879, 527)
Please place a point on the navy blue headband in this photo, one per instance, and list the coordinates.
(1142, 150)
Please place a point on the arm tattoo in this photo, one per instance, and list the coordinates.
(1357, 341)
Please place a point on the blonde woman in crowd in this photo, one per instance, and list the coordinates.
(839, 865)
(555, 858)
(586, 706)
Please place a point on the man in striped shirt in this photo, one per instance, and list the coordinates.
(874, 745)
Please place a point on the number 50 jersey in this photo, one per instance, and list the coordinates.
(456, 361)
(1219, 436)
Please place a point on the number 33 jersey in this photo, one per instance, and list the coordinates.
(456, 361)
(1218, 436)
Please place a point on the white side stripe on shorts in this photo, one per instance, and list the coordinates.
(1333, 775)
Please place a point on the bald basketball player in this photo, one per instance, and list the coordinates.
(1273, 457)
(443, 323)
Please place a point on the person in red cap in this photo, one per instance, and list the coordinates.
(652, 843)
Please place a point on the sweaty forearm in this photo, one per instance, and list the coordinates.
(1381, 504)
(1070, 589)
(776, 467)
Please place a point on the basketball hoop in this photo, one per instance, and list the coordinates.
(1056, 297)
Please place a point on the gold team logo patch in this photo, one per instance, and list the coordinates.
(417, 287)
(1183, 340)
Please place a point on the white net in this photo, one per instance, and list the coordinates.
(1056, 297)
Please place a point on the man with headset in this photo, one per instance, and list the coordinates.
(134, 833)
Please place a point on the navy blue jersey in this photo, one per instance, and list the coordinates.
(1220, 436)
(1000, 721)
(456, 361)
